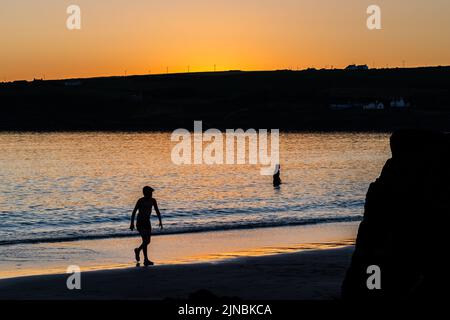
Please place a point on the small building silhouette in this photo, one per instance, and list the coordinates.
(399, 103)
(357, 67)
(374, 106)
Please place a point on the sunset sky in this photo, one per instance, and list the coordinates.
(141, 36)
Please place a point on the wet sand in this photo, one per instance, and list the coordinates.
(306, 275)
(301, 262)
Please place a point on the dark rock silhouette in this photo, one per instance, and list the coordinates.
(404, 230)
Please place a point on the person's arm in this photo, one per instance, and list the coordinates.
(136, 207)
(155, 204)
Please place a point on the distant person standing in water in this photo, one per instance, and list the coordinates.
(276, 176)
(144, 208)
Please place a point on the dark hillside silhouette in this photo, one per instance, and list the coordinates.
(288, 100)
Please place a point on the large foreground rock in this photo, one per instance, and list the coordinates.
(405, 227)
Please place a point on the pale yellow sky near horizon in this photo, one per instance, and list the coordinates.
(139, 36)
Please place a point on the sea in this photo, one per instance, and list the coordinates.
(69, 186)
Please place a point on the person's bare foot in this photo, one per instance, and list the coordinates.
(136, 254)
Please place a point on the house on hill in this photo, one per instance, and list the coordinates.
(399, 103)
(374, 106)
(357, 67)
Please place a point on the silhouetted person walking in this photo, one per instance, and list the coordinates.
(276, 177)
(144, 208)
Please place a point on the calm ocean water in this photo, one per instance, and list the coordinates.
(68, 186)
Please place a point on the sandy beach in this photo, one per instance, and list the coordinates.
(302, 262)
(308, 275)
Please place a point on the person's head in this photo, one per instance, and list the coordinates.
(277, 169)
(147, 191)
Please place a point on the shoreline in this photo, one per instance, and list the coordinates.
(204, 247)
(157, 233)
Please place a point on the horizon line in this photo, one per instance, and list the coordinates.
(222, 71)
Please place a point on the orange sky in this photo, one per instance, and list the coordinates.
(139, 36)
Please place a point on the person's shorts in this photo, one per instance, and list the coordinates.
(145, 232)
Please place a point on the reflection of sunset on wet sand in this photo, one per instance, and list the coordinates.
(107, 254)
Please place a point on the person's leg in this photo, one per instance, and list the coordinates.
(141, 247)
(137, 251)
(145, 243)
